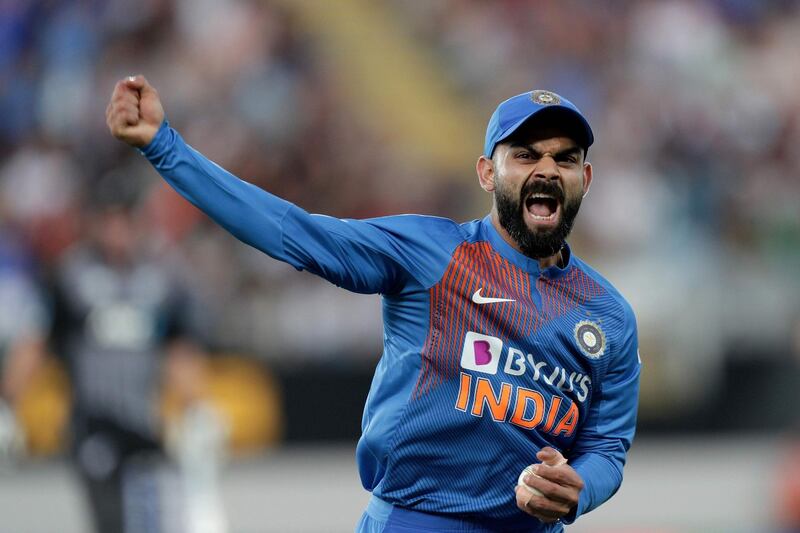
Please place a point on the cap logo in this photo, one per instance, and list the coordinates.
(545, 97)
(590, 338)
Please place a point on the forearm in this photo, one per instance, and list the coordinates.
(602, 477)
(601, 449)
(251, 214)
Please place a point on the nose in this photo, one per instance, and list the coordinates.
(546, 168)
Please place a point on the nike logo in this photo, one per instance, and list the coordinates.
(478, 299)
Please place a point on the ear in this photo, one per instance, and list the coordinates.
(485, 169)
(587, 178)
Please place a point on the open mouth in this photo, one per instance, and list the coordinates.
(542, 207)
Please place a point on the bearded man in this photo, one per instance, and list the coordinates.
(501, 347)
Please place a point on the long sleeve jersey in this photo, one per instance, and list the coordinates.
(486, 359)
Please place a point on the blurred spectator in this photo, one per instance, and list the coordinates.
(118, 309)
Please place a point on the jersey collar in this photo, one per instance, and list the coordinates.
(518, 258)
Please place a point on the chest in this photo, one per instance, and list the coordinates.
(514, 336)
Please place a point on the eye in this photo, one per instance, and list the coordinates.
(524, 154)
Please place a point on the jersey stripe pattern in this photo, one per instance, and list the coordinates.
(475, 266)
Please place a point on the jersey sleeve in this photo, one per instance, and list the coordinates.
(368, 256)
(601, 447)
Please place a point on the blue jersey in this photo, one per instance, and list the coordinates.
(486, 357)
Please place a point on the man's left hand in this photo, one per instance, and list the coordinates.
(559, 484)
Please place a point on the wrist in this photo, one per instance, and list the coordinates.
(154, 147)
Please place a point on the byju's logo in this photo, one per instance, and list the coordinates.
(481, 353)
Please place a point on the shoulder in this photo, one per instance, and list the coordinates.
(612, 292)
(421, 228)
(614, 318)
(423, 244)
(412, 221)
(615, 309)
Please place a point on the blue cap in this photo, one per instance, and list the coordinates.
(515, 111)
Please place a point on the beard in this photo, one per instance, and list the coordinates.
(537, 244)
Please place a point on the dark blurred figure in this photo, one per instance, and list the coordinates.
(123, 322)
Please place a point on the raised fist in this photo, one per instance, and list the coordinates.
(134, 113)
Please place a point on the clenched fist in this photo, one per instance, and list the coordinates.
(135, 112)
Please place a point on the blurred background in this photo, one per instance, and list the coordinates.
(361, 108)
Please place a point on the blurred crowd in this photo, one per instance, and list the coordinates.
(694, 213)
(242, 84)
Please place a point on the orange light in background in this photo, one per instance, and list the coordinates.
(43, 409)
(247, 397)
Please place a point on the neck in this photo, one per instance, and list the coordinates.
(553, 260)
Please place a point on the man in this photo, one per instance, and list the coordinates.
(499, 344)
(122, 321)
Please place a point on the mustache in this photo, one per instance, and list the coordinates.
(538, 186)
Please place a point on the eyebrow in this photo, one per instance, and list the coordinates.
(573, 150)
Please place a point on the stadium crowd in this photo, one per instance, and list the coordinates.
(694, 103)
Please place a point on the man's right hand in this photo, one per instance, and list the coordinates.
(135, 112)
(558, 485)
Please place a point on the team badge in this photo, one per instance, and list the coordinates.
(590, 338)
(545, 98)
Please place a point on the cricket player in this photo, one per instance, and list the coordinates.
(121, 321)
(501, 347)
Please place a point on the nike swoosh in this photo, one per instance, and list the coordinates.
(478, 299)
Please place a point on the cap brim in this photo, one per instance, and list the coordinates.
(584, 139)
